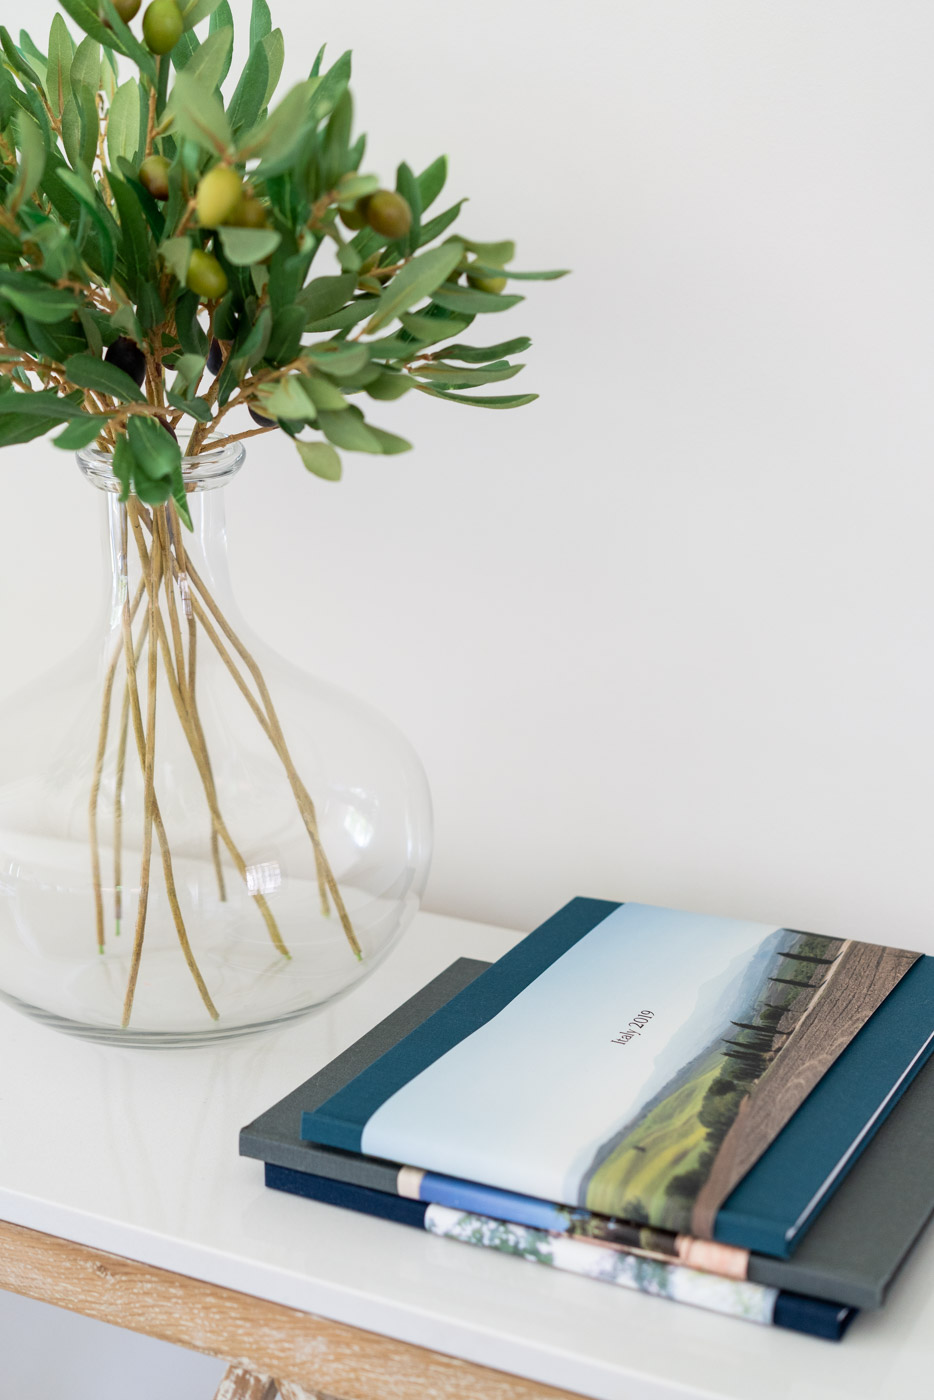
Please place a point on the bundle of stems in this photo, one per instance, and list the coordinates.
(169, 607)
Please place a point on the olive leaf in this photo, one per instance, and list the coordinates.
(210, 62)
(288, 399)
(277, 135)
(197, 10)
(102, 239)
(123, 123)
(324, 295)
(260, 22)
(197, 113)
(250, 93)
(479, 269)
(443, 376)
(348, 430)
(500, 401)
(430, 328)
(480, 354)
(472, 302)
(31, 160)
(176, 254)
(85, 68)
(90, 373)
(81, 432)
(58, 74)
(418, 279)
(320, 459)
(221, 20)
(245, 246)
(47, 403)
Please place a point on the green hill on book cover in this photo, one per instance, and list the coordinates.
(660, 1162)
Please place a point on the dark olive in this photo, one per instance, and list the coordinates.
(389, 214)
(249, 213)
(354, 217)
(126, 9)
(154, 176)
(126, 355)
(263, 422)
(163, 26)
(215, 357)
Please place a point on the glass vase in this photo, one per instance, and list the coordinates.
(197, 839)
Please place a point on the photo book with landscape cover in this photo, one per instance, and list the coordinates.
(705, 1077)
(850, 1255)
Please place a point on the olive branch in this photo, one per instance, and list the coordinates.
(157, 241)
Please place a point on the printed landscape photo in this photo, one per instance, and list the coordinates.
(691, 1142)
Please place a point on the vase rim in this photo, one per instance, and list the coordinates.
(212, 467)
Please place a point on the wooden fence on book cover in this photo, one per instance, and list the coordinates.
(858, 982)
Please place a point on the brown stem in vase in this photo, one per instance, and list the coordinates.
(273, 731)
(185, 718)
(120, 776)
(148, 759)
(157, 822)
(118, 809)
(261, 719)
(302, 797)
(325, 876)
(98, 772)
(186, 679)
(192, 672)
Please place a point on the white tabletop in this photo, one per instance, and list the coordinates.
(135, 1151)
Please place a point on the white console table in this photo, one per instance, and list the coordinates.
(122, 1197)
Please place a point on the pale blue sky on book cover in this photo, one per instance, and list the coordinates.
(526, 1101)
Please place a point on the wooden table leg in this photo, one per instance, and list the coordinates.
(240, 1384)
(288, 1391)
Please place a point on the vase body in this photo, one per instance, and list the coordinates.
(288, 824)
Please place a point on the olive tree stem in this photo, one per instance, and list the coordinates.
(99, 768)
(119, 780)
(186, 678)
(148, 757)
(185, 718)
(152, 575)
(302, 797)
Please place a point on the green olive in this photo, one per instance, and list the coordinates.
(126, 9)
(389, 214)
(249, 213)
(219, 194)
(206, 277)
(354, 217)
(154, 176)
(487, 284)
(162, 25)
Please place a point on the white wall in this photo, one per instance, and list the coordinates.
(666, 634)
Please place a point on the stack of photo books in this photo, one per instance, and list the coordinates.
(710, 1110)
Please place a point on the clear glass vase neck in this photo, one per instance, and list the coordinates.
(204, 546)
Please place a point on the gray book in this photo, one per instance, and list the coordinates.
(850, 1254)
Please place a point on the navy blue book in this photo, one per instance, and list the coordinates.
(754, 1302)
(698, 1075)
